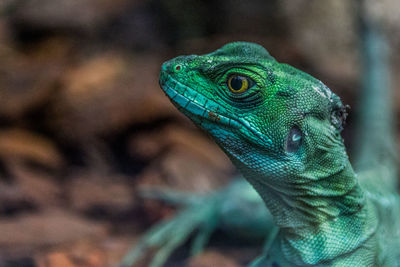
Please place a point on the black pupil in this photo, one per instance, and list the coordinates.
(294, 139)
(237, 83)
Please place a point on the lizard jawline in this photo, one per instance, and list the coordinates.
(183, 103)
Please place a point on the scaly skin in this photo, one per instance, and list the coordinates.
(281, 128)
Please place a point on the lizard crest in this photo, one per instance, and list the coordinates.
(281, 128)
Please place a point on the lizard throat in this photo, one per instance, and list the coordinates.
(308, 235)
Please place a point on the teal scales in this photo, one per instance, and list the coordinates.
(281, 129)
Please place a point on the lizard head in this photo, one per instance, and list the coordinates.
(276, 123)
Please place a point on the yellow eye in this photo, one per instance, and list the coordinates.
(238, 84)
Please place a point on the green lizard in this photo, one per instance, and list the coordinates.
(235, 209)
(281, 129)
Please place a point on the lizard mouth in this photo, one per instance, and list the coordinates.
(188, 100)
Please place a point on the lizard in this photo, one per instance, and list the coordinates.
(236, 210)
(281, 129)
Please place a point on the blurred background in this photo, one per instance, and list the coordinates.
(83, 123)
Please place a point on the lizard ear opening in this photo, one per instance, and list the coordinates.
(294, 140)
(339, 113)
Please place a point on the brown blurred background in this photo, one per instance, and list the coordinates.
(83, 123)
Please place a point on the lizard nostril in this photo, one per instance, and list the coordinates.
(165, 67)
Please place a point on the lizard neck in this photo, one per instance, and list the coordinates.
(318, 223)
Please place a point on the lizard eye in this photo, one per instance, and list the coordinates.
(238, 84)
(178, 67)
(294, 140)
